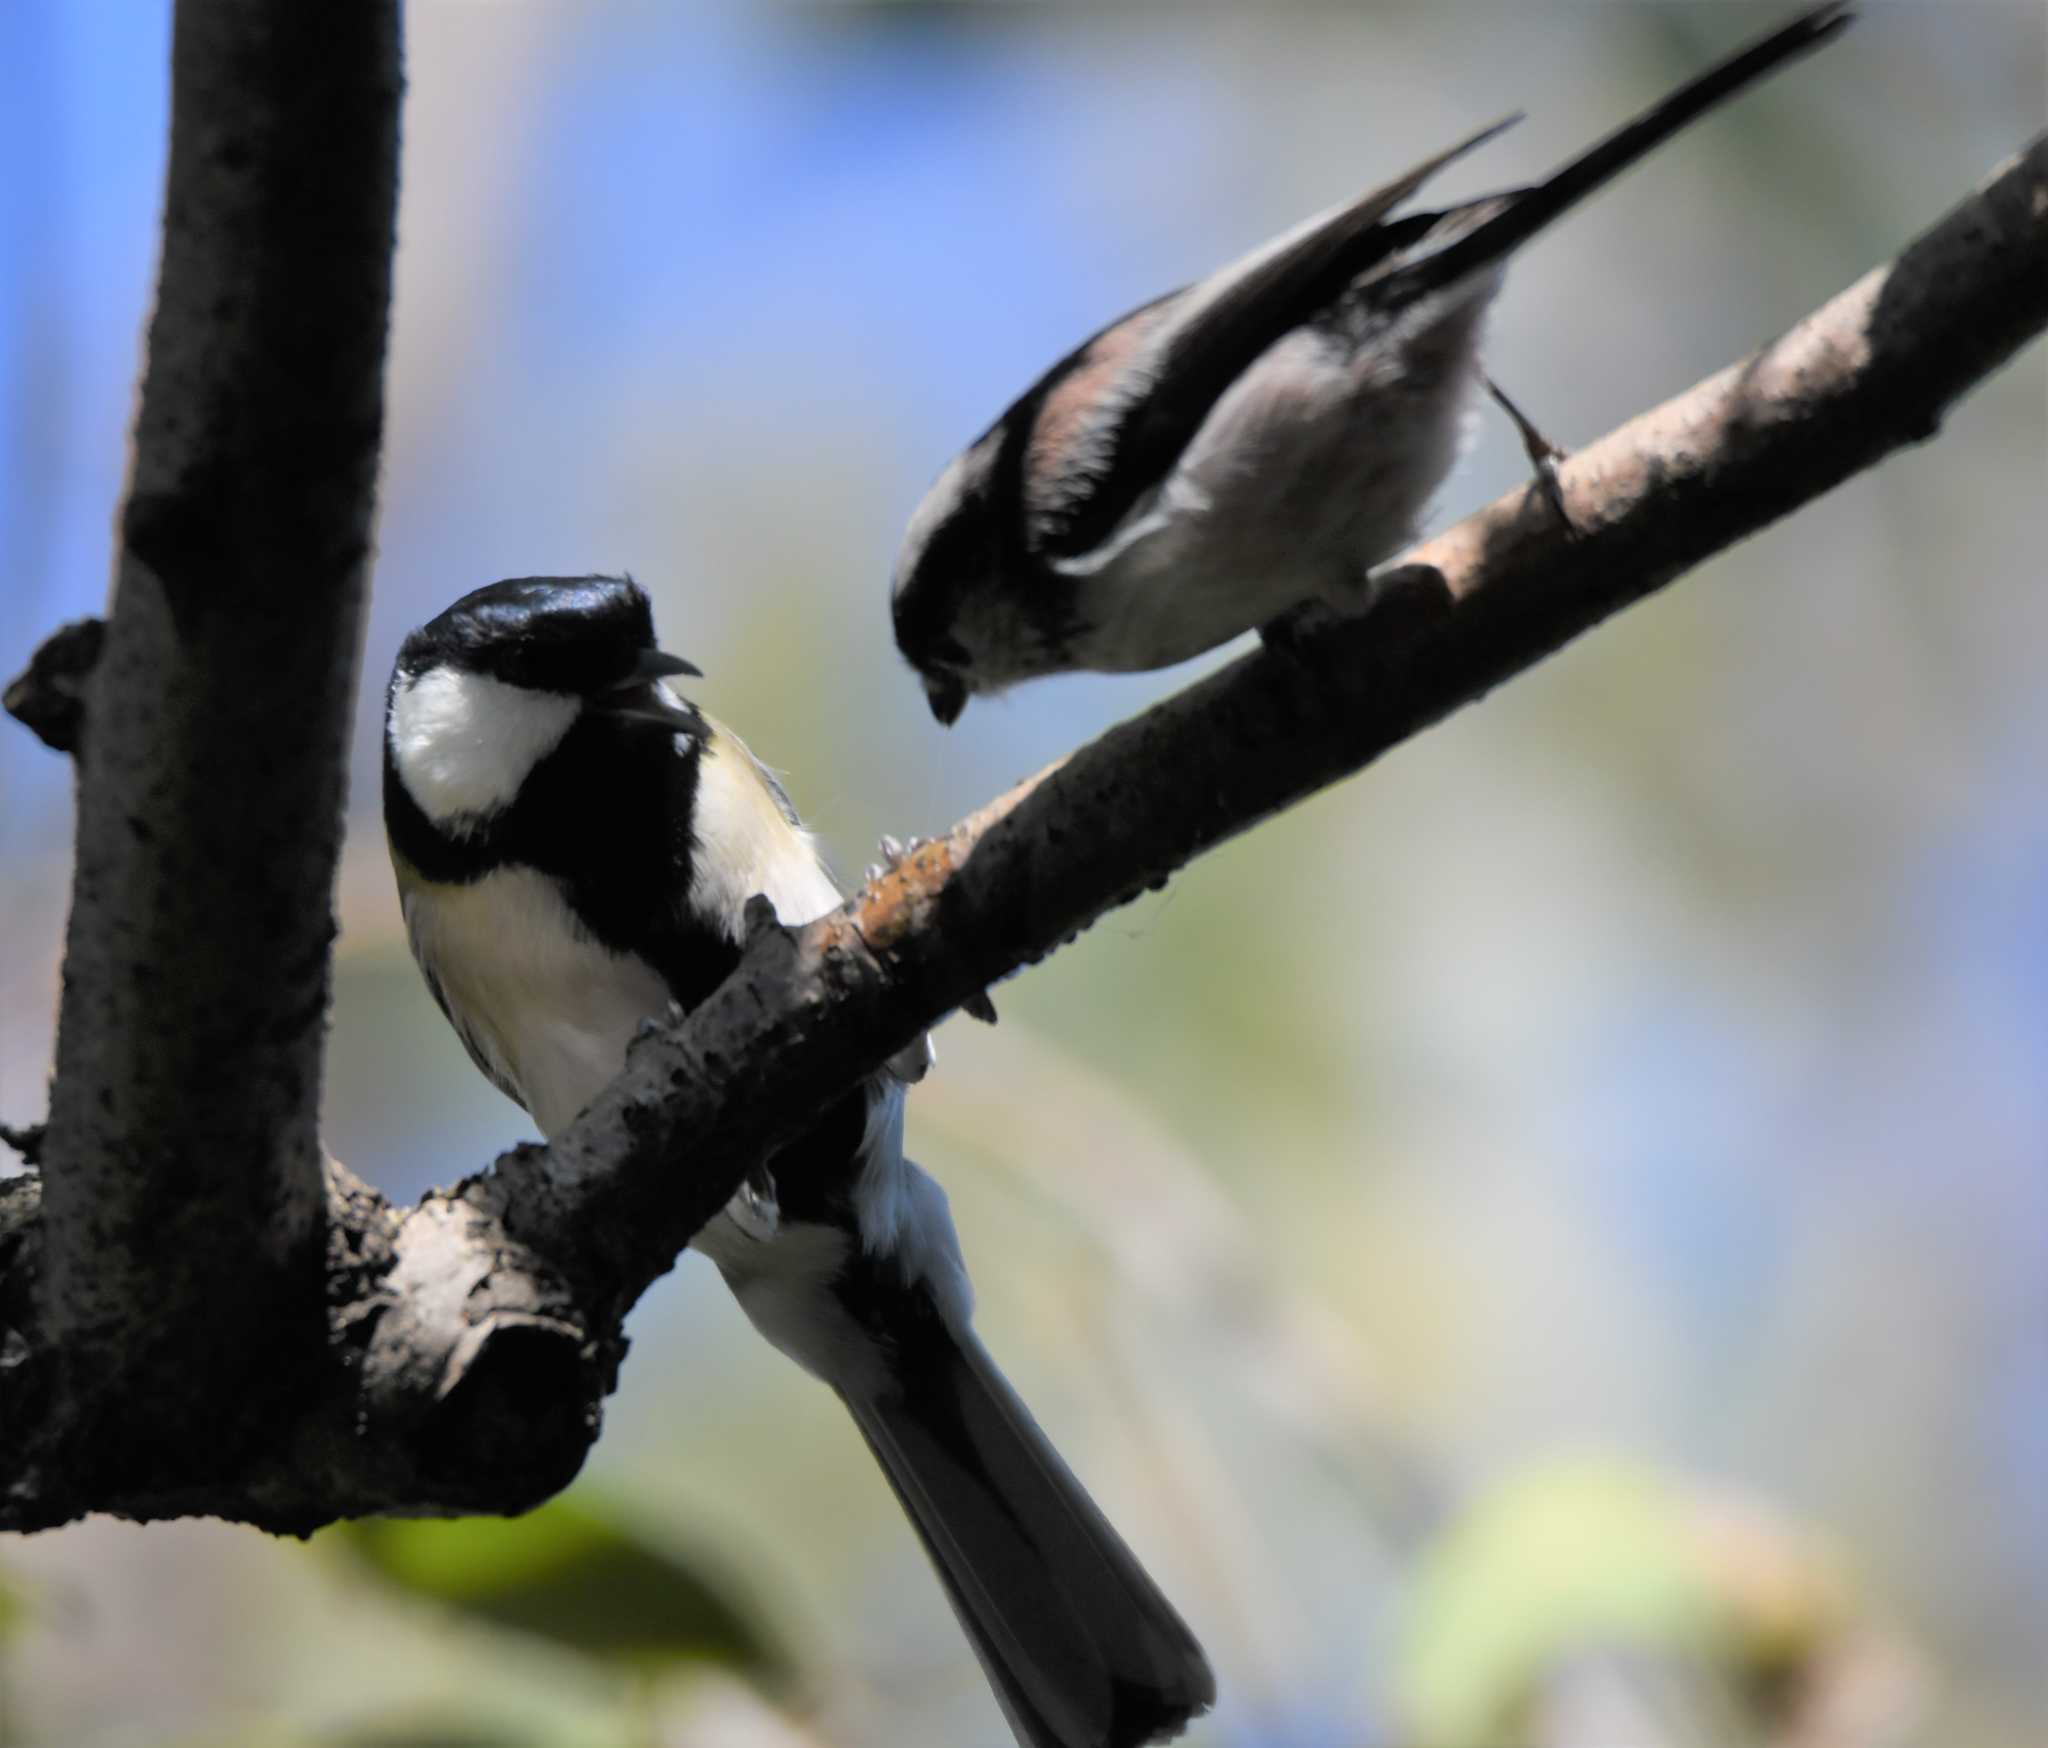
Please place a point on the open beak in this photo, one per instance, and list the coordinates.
(638, 698)
(947, 695)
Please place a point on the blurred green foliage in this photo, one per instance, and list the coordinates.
(1557, 1560)
(576, 1573)
(1606, 1565)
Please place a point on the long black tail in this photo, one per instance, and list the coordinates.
(1080, 1646)
(1519, 216)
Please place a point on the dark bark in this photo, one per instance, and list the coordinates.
(48, 697)
(182, 1203)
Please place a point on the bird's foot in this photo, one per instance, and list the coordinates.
(893, 850)
(656, 1024)
(1395, 601)
(1289, 634)
(977, 1006)
(1543, 455)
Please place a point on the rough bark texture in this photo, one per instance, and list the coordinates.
(182, 1202)
(470, 1340)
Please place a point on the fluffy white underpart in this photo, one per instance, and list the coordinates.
(545, 1004)
(464, 743)
(1338, 445)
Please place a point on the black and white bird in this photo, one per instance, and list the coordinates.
(1247, 445)
(575, 847)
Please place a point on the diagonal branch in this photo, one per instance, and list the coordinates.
(1874, 370)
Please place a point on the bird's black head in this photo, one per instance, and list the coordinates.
(948, 553)
(923, 613)
(976, 608)
(576, 636)
(518, 676)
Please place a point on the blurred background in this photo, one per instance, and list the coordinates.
(1546, 1242)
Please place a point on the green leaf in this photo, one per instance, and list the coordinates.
(1569, 1558)
(573, 1572)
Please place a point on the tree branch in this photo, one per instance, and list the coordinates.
(48, 697)
(479, 1331)
(182, 1201)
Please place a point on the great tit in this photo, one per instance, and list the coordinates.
(575, 846)
(1245, 446)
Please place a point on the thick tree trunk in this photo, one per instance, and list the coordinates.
(181, 1287)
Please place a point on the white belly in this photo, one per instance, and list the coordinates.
(543, 1002)
(1315, 465)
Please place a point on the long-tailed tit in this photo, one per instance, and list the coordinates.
(1245, 446)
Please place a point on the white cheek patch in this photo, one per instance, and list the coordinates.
(464, 743)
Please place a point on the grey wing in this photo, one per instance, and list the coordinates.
(1118, 414)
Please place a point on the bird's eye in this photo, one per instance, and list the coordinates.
(951, 651)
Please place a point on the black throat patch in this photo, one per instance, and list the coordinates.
(609, 815)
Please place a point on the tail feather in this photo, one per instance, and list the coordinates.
(1507, 223)
(1080, 1646)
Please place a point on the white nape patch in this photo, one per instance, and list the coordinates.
(464, 743)
(546, 1008)
(746, 844)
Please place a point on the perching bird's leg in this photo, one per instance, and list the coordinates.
(1396, 599)
(1543, 454)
